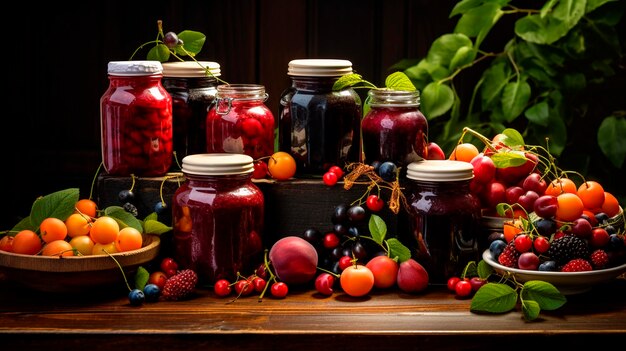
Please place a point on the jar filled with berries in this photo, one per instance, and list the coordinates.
(193, 86)
(239, 121)
(217, 216)
(136, 120)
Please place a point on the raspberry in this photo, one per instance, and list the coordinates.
(180, 285)
(599, 259)
(577, 265)
(509, 256)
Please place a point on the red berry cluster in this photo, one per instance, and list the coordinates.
(465, 287)
(332, 175)
(254, 283)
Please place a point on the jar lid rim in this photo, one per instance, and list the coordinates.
(134, 68)
(217, 164)
(191, 69)
(440, 170)
(319, 67)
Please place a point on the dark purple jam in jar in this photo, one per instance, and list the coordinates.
(217, 216)
(239, 121)
(136, 120)
(444, 217)
(394, 129)
(193, 86)
(319, 127)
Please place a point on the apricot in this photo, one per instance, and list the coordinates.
(294, 260)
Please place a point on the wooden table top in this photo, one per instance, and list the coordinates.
(433, 320)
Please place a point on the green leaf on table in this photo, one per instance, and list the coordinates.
(504, 159)
(398, 250)
(538, 113)
(123, 218)
(437, 99)
(545, 294)
(515, 96)
(399, 81)
(530, 309)
(59, 204)
(159, 52)
(192, 42)
(141, 278)
(494, 298)
(611, 139)
(152, 226)
(378, 228)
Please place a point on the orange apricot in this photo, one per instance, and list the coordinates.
(52, 229)
(27, 242)
(58, 248)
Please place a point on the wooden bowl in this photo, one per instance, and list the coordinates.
(77, 273)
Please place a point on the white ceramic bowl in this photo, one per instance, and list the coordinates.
(568, 283)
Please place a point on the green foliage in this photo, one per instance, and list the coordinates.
(59, 204)
(141, 278)
(554, 52)
(378, 231)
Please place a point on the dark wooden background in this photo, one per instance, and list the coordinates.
(55, 57)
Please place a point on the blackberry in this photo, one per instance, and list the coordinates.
(567, 248)
(130, 208)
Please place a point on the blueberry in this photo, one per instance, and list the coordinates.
(545, 226)
(136, 297)
(152, 292)
(160, 207)
(547, 266)
(602, 217)
(353, 232)
(610, 229)
(376, 165)
(615, 242)
(387, 171)
(126, 196)
(496, 247)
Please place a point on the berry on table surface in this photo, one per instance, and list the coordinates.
(136, 297)
(180, 285)
(152, 292)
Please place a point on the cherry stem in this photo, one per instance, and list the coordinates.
(120, 267)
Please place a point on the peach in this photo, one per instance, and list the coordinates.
(294, 260)
(412, 276)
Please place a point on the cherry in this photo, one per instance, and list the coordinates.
(477, 283)
(244, 287)
(222, 288)
(330, 241)
(528, 260)
(434, 152)
(582, 228)
(463, 288)
(259, 284)
(545, 206)
(169, 266)
(494, 194)
(452, 281)
(527, 201)
(599, 237)
(523, 243)
(324, 283)
(484, 168)
(170, 39)
(337, 170)
(330, 178)
(541, 244)
(356, 213)
(279, 290)
(535, 183)
(260, 169)
(513, 193)
(345, 262)
(374, 203)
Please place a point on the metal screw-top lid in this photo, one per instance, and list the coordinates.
(134, 68)
(319, 67)
(440, 170)
(394, 98)
(218, 164)
(191, 69)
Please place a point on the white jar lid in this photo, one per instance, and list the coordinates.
(218, 164)
(191, 69)
(134, 68)
(319, 67)
(440, 170)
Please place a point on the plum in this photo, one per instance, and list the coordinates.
(294, 260)
(412, 276)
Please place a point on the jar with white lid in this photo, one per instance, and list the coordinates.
(193, 86)
(319, 127)
(217, 217)
(444, 217)
(136, 120)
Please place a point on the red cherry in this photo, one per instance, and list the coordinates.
(279, 290)
(337, 170)
(374, 203)
(330, 178)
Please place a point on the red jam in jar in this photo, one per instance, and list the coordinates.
(193, 86)
(394, 129)
(319, 127)
(240, 122)
(217, 216)
(136, 120)
(444, 217)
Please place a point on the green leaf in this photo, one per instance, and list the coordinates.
(151, 216)
(349, 80)
(192, 42)
(123, 218)
(152, 226)
(553, 25)
(594, 4)
(398, 250)
(494, 298)
(470, 270)
(59, 204)
(159, 52)
(515, 96)
(530, 309)
(494, 79)
(547, 7)
(404, 64)
(141, 278)
(420, 74)
(504, 159)
(25, 223)
(484, 269)
(464, 6)
(399, 81)
(464, 56)
(378, 228)
(545, 294)
(538, 113)
(443, 48)
(611, 139)
(436, 99)
(478, 21)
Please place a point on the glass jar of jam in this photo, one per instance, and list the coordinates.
(136, 120)
(319, 127)
(193, 86)
(240, 122)
(444, 217)
(394, 129)
(217, 216)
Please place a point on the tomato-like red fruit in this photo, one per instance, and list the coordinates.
(385, 270)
